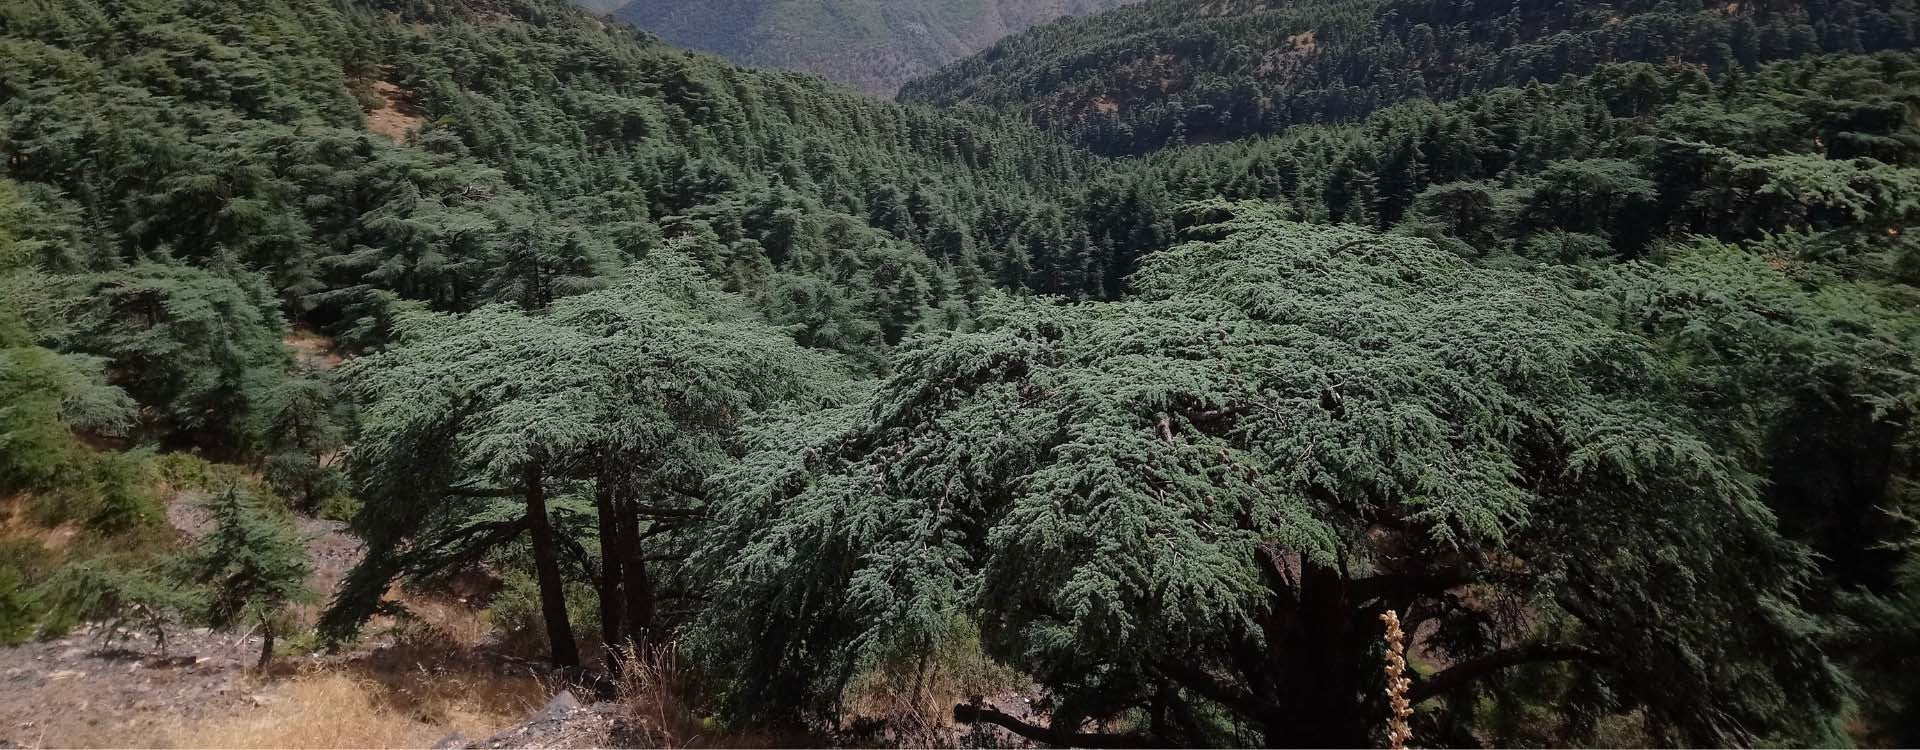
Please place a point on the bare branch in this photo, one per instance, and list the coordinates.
(970, 714)
(1467, 672)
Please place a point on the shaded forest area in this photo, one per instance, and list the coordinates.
(1596, 367)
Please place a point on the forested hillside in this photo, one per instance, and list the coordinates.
(873, 45)
(1170, 72)
(1586, 347)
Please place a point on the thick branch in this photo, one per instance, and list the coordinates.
(1467, 672)
(1373, 587)
(489, 533)
(1197, 680)
(1214, 415)
(481, 492)
(657, 511)
(692, 492)
(970, 714)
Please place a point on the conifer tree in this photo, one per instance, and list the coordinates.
(1189, 502)
(250, 565)
(629, 396)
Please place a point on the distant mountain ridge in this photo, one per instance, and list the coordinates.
(1167, 72)
(872, 45)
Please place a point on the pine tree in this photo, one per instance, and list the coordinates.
(635, 392)
(251, 565)
(1187, 501)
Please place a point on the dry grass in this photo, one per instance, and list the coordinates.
(457, 622)
(330, 710)
(375, 705)
(651, 688)
(431, 682)
(648, 686)
(913, 700)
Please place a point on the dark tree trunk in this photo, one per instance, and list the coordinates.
(639, 592)
(546, 566)
(266, 646)
(613, 550)
(1325, 708)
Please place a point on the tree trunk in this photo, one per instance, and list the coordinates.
(1325, 709)
(639, 593)
(613, 552)
(546, 566)
(266, 646)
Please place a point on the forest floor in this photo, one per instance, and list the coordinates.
(438, 679)
(407, 684)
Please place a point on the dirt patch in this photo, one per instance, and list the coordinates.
(311, 349)
(1287, 59)
(1105, 105)
(395, 118)
(78, 692)
(404, 685)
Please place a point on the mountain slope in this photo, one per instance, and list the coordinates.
(1175, 71)
(526, 124)
(874, 45)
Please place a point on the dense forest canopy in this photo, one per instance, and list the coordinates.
(1172, 72)
(1581, 337)
(872, 45)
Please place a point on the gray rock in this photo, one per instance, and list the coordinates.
(452, 741)
(559, 708)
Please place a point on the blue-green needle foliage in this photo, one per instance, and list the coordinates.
(1157, 494)
(651, 375)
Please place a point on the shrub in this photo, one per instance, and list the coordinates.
(17, 610)
(252, 565)
(106, 492)
(123, 599)
(515, 613)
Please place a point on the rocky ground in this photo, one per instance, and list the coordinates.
(433, 677)
(81, 691)
(94, 688)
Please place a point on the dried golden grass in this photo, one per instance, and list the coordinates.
(459, 623)
(913, 698)
(331, 710)
(349, 708)
(431, 682)
(651, 688)
(648, 686)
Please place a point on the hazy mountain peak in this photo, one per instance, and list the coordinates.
(873, 45)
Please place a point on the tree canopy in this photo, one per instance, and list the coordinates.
(1191, 502)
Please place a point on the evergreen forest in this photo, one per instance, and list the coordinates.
(1141, 363)
(872, 45)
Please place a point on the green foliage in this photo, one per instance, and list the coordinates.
(16, 608)
(20, 562)
(1112, 489)
(187, 472)
(515, 612)
(640, 386)
(1608, 385)
(491, 202)
(47, 400)
(303, 434)
(118, 598)
(250, 563)
(198, 348)
(44, 398)
(107, 492)
(1167, 73)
